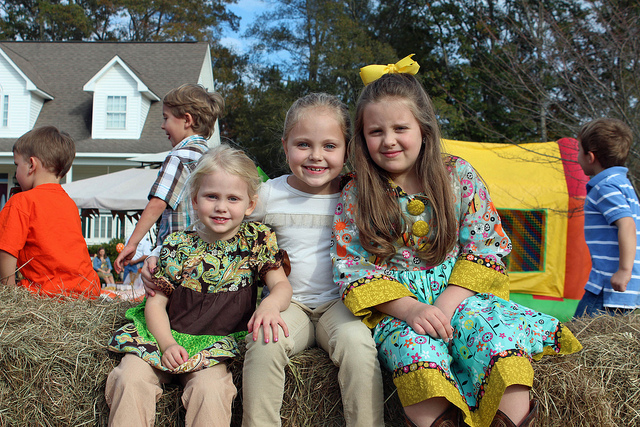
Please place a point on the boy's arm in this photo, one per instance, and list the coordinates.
(267, 314)
(8, 264)
(149, 216)
(627, 244)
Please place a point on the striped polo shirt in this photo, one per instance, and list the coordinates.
(610, 196)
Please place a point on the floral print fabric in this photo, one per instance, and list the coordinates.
(494, 339)
(212, 289)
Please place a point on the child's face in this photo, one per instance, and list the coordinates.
(316, 151)
(176, 128)
(222, 203)
(23, 167)
(583, 161)
(393, 139)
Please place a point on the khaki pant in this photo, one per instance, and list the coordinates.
(350, 346)
(134, 387)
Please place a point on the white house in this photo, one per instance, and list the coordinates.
(107, 96)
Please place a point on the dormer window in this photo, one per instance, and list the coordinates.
(5, 111)
(116, 112)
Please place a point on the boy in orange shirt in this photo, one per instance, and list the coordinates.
(41, 229)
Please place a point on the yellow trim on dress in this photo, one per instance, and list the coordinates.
(479, 278)
(568, 344)
(363, 298)
(423, 384)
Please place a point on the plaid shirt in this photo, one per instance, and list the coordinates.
(171, 185)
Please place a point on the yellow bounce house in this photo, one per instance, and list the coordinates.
(539, 191)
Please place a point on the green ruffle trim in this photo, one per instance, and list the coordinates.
(192, 343)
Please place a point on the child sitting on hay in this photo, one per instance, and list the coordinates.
(208, 288)
(40, 220)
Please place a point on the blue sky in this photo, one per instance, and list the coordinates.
(247, 10)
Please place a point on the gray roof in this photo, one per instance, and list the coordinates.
(62, 68)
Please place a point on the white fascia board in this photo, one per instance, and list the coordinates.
(30, 85)
(90, 86)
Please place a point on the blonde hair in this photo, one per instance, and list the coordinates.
(228, 159)
(318, 100)
(608, 139)
(378, 216)
(54, 148)
(204, 107)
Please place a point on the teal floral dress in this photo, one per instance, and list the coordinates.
(212, 289)
(494, 339)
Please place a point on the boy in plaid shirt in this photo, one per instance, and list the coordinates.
(190, 114)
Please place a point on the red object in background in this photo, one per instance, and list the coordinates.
(578, 260)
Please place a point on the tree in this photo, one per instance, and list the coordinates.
(326, 41)
(44, 20)
(178, 20)
(123, 20)
(582, 64)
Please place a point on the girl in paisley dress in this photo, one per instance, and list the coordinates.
(208, 288)
(418, 252)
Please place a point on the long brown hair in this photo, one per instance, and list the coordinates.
(378, 216)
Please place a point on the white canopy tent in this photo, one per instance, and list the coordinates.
(122, 191)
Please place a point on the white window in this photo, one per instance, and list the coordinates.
(116, 112)
(5, 111)
(102, 228)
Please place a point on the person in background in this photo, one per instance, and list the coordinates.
(611, 219)
(142, 252)
(102, 266)
(41, 228)
(189, 116)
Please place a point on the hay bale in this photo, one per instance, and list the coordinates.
(54, 364)
(599, 386)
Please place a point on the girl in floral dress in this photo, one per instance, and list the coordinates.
(208, 282)
(418, 252)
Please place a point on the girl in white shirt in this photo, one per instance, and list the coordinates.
(300, 208)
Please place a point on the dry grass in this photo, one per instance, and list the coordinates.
(53, 367)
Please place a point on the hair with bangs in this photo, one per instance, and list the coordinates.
(232, 161)
(378, 216)
(203, 107)
(54, 148)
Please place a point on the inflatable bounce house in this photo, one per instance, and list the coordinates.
(539, 191)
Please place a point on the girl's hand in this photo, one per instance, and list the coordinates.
(146, 272)
(429, 320)
(268, 316)
(174, 356)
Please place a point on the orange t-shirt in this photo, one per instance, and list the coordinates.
(42, 229)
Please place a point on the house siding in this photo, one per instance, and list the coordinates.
(36, 107)
(14, 85)
(116, 82)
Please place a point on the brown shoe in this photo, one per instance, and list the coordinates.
(501, 419)
(449, 418)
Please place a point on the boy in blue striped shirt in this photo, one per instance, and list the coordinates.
(611, 219)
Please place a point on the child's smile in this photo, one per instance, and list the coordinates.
(394, 139)
(222, 203)
(315, 150)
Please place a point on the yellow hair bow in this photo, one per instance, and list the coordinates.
(372, 73)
